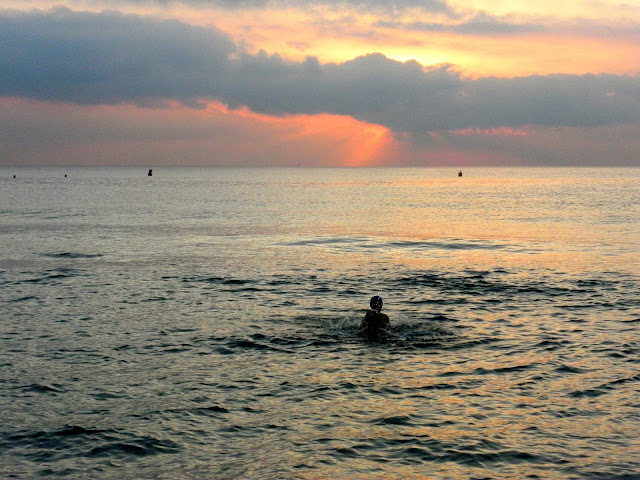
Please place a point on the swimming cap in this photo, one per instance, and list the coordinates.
(376, 303)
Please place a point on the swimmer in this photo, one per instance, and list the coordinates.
(374, 322)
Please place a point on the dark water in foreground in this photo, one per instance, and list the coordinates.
(201, 323)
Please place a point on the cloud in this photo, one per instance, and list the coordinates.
(482, 24)
(107, 57)
(389, 6)
(479, 24)
(111, 58)
(41, 133)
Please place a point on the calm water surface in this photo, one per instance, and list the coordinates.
(201, 323)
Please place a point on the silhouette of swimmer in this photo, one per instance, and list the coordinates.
(150, 173)
(374, 323)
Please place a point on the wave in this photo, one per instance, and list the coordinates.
(632, 320)
(605, 388)
(477, 289)
(417, 449)
(24, 299)
(39, 388)
(72, 441)
(373, 243)
(72, 255)
(50, 276)
(489, 371)
(495, 289)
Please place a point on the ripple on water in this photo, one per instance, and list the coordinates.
(23, 299)
(50, 276)
(72, 255)
(605, 388)
(72, 441)
(40, 388)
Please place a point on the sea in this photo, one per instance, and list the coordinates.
(202, 323)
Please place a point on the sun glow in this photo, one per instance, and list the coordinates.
(354, 143)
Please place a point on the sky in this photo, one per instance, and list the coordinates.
(320, 83)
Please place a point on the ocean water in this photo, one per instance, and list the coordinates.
(202, 323)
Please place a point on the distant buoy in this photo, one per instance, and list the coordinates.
(460, 173)
(14, 176)
(65, 175)
(150, 172)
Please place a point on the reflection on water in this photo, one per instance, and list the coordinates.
(203, 323)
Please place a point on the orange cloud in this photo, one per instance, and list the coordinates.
(348, 142)
(67, 134)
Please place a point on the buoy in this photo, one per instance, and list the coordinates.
(460, 173)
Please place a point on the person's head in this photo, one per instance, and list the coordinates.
(376, 303)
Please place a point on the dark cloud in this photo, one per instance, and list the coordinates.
(107, 58)
(110, 58)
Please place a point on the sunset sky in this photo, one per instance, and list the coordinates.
(320, 82)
